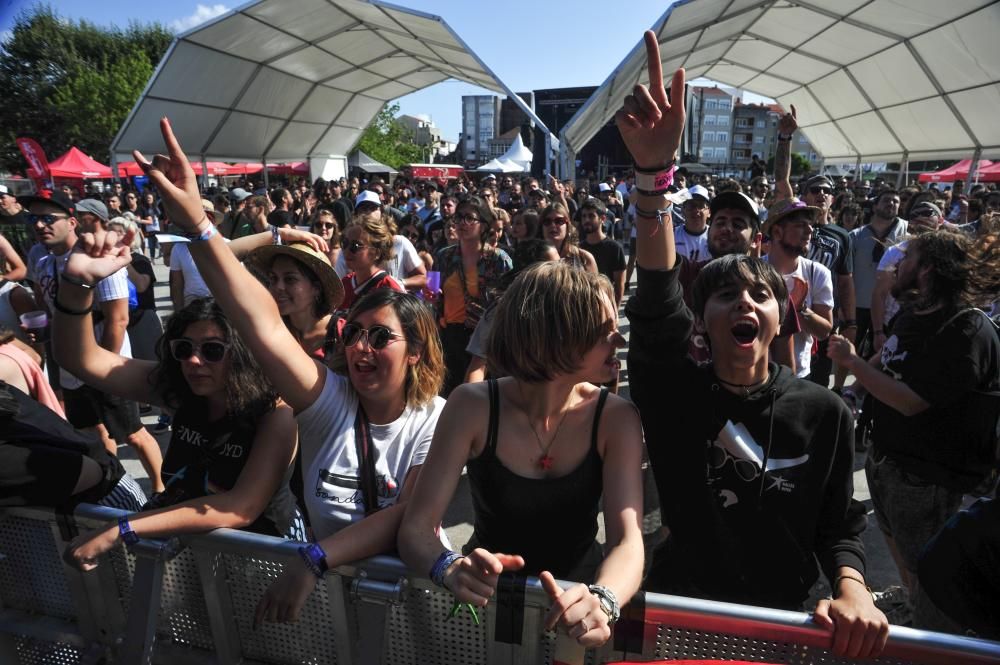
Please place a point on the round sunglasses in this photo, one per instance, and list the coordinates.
(211, 351)
(377, 337)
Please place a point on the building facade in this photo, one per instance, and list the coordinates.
(426, 135)
(711, 118)
(480, 123)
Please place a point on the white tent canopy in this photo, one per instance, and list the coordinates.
(518, 154)
(872, 80)
(500, 165)
(279, 80)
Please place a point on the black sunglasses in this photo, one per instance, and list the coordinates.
(355, 246)
(377, 337)
(211, 351)
(820, 190)
(322, 225)
(47, 220)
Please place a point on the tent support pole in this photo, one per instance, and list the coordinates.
(204, 174)
(904, 170)
(857, 170)
(114, 168)
(548, 155)
(263, 160)
(973, 169)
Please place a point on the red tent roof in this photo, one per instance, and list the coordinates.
(957, 171)
(75, 164)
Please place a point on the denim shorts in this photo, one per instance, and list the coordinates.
(909, 510)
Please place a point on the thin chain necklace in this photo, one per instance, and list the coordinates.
(747, 388)
(545, 461)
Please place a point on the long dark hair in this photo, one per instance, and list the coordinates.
(247, 389)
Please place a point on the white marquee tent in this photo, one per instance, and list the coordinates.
(518, 154)
(280, 80)
(872, 80)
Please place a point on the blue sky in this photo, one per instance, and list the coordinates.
(528, 44)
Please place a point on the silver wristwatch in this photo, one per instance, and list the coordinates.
(609, 603)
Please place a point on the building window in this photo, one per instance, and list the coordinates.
(706, 153)
(760, 123)
(711, 105)
(722, 137)
(720, 153)
(758, 139)
(708, 137)
(812, 156)
(724, 104)
(709, 119)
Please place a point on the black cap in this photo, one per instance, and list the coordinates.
(56, 198)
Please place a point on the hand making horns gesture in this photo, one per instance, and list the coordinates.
(650, 125)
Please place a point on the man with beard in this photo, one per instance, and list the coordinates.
(868, 245)
(790, 226)
(929, 386)
(609, 254)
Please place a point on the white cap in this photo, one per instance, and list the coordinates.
(4, 190)
(698, 190)
(604, 187)
(367, 196)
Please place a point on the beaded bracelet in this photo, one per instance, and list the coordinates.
(315, 558)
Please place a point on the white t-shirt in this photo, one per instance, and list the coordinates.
(820, 282)
(181, 261)
(405, 260)
(692, 247)
(112, 287)
(893, 255)
(330, 465)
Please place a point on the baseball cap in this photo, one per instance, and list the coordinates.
(57, 199)
(697, 191)
(4, 190)
(238, 194)
(926, 209)
(735, 201)
(786, 207)
(818, 181)
(604, 187)
(94, 207)
(367, 196)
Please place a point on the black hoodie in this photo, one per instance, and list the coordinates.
(736, 535)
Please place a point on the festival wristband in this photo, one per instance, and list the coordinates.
(205, 234)
(315, 559)
(442, 565)
(654, 182)
(128, 536)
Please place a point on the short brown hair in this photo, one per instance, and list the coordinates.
(379, 235)
(548, 318)
(737, 269)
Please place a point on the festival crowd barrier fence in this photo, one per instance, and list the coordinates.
(193, 601)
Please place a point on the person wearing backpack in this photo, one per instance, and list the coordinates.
(935, 386)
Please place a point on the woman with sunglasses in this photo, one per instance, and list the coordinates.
(413, 231)
(543, 446)
(324, 224)
(367, 248)
(233, 441)
(381, 394)
(470, 270)
(560, 232)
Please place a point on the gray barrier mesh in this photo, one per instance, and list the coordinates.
(31, 570)
(183, 617)
(420, 633)
(310, 640)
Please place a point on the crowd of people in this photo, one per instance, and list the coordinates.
(339, 352)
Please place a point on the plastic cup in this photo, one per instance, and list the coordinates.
(37, 323)
(433, 281)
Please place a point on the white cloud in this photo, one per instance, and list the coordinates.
(201, 14)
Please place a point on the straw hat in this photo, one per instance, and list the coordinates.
(209, 209)
(317, 262)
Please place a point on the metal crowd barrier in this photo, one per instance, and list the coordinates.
(193, 602)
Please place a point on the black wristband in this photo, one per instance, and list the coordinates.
(59, 307)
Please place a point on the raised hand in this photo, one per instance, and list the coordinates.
(577, 611)
(175, 180)
(289, 235)
(788, 123)
(98, 255)
(650, 125)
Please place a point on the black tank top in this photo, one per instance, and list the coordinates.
(551, 522)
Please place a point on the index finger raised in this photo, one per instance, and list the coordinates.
(655, 67)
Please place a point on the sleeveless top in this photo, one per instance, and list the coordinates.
(551, 522)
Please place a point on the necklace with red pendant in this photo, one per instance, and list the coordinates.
(546, 460)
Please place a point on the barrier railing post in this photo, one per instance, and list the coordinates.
(218, 602)
(338, 608)
(144, 607)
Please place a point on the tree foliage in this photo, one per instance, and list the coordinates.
(800, 164)
(71, 83)
(386, 140)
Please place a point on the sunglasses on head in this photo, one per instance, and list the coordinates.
(47, 220)
(355, 246)
(549, 221)
(377, 337)
(211, 351)
(820, 190)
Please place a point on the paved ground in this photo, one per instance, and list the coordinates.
(458, 520)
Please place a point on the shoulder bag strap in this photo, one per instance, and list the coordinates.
(366, 461)
(494, 424)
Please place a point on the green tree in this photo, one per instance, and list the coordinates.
(71, 83)
(800, 164)
(386, 140)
